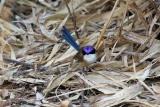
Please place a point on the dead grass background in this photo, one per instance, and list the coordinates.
(37, 67)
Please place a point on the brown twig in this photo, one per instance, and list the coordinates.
(106, 24)
(27, 65)
(73, 18)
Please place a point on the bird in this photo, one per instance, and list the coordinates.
(86, 53)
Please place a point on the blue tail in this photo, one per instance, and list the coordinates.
(67, 36)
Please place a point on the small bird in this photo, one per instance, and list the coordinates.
(88, 52)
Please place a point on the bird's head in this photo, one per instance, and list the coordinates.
(89, 54)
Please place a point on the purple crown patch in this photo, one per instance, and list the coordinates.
(88, 49)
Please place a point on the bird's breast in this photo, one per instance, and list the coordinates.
(90, 58)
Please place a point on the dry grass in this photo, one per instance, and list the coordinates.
(37, 67)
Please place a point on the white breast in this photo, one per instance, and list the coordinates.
(91, 58)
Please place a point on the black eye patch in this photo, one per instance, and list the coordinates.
(92, 52)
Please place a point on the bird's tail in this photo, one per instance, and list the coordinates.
(67, 36)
